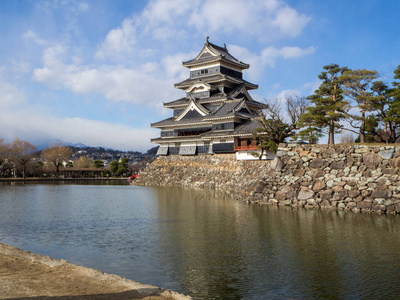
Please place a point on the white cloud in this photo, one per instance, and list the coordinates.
(145, 85)
(119, 41)
(311, 87)
(267, 57)
(174, 20)
(289, 21)
(270, 54)
(31, 35)
(264, 19)
(287, 93)
(37, 128)
(173, 65)
(165, 18)
(83, 6)
(10, 95)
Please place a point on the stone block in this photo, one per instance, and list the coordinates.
(381, 194)
(378, 201)
(371, 160)
(354, 193)
(379, 208)
(312, 202)
(305, 194)
(337, 165)
(281, 153)
(319, 185)
(351, 205)
(318, 163)
(340, 195)
(279, 195)
(299, 172)
(364, 205)
(390, 209)
(395, 162)
(325, 203)
(319, 173)
(327, 194)
(277, 164)
(286, 202)
(386, 154)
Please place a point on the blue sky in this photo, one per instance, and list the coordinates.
(97, 72)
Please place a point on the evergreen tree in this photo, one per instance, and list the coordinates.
(310, 134)
(393, 112)
(379, 126)
(328, 106)
(357, 85)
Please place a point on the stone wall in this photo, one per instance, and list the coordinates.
(349, 177)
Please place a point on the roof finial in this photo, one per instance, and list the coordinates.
(207, 39)
(225, 46)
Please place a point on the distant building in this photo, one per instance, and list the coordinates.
(217, 114)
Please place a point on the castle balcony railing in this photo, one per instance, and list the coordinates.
(249, 147)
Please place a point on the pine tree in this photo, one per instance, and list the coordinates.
(393, 113)
(357, 85)
(328, 105)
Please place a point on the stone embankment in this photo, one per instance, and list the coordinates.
(348, 177)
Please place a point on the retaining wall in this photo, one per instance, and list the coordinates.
(349, 177)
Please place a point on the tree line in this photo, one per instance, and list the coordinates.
(22, 159)
(347, 100)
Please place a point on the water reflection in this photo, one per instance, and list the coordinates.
(206, 244)
(218, 248)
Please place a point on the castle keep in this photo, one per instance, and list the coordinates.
(217, 114)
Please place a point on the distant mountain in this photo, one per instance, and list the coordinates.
(77, 145)
(46, 143)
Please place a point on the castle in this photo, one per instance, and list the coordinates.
(217, 115)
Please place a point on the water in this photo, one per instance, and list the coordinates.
(205, 245)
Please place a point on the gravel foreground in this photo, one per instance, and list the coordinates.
(25, 275)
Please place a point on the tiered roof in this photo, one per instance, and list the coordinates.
(213, 53)
(228, 99)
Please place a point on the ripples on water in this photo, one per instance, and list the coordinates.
(206, 245)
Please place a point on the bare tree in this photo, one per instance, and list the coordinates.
(83, 162)
(4, 157)
(346, 137)
(274, 127)
(22, 152)
(56, 155)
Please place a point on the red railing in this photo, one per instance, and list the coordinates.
(250, 147)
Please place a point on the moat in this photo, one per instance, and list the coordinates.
(205, 244)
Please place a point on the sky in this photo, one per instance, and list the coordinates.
(98, 71)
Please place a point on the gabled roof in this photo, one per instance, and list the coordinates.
(214, 79)
(198, 86)
(193, 105)
(178, 102)
(171, 122)
(240, 89)
(230, 109)
(247, 127)
(212, 52)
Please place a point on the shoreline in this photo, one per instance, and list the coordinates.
(59, 179)
(24, 274)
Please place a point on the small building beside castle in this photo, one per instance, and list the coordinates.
(217, 113)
